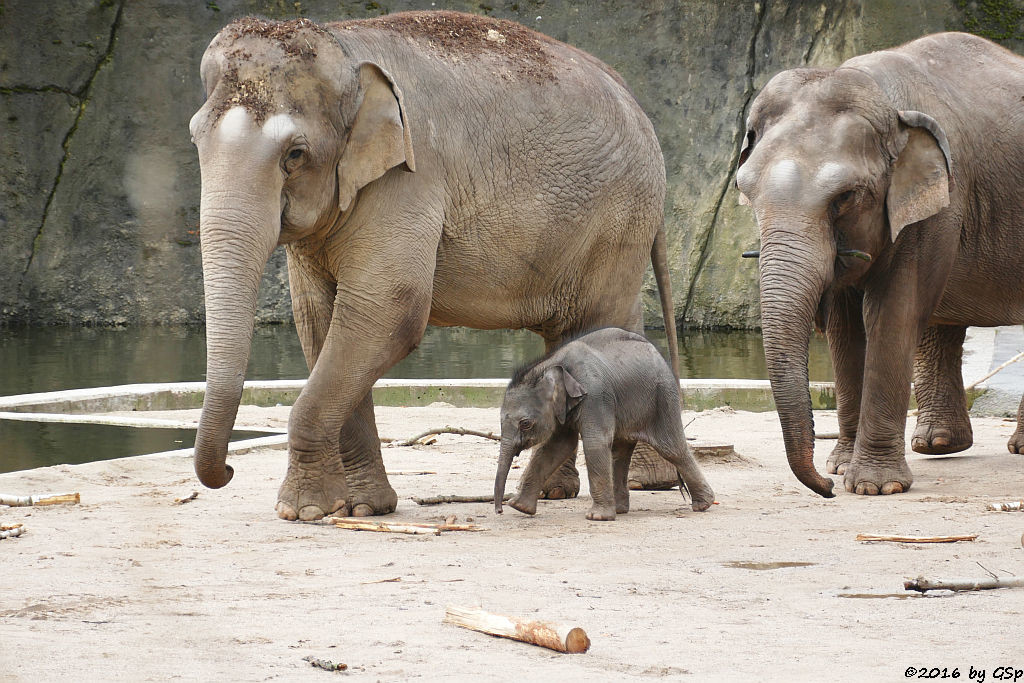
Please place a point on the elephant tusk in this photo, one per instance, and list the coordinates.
(862, 255)
(751, 254)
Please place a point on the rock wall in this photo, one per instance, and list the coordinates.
(99, 185)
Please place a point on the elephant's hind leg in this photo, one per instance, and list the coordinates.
(1016, 442)
(943, 425)
(368, 487)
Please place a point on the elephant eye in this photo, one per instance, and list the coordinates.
(294, 159)
(526, 424)
(843, 202)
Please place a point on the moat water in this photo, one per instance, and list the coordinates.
(56, 358)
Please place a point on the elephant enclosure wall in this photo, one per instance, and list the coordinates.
(99, 184)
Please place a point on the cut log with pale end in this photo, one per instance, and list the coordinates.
(1012, 506)
(11, 531)
(360, 524)
(921, 584)
(916, 539)
(46, 499)
(439, 500)
(557, 637)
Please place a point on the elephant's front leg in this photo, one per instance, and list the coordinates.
(943, 425)
(544, 461)
(846, 342)
(1016, 442)
(369, 492)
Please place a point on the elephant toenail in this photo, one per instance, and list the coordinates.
(311, 513)
(556, 493)
(940, 441)
(286, 511)
(841, 468)
(362, 510)
(891, 487)
(867, 489)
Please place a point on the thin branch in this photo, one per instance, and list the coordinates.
(921, 584)
(440, 500)
(449, 430)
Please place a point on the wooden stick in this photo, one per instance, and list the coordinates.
(186, 499)
(921, 584)
(568, 639)
(409, 473)
(916, 539)
(450, 430)
(1009, 362)
(1014, 506)
(438, 500)
(11, 531)
(359, 524)
(325, 664)
(49, 499)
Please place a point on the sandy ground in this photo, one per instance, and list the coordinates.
(130, 586)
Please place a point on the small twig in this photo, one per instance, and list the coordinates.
(987, 570)
(325, 664)
(921, 584)
(47, 499)
(439, 500)
(393, 580)
(916, 539)
(449, 430)
(1001, 367)
(827, 435)
(409, 473)
(1012, 506)
(11, 531)
(567, 639)
(186, 499)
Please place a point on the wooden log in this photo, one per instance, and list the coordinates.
(449, 430)
(916, 539)
(439, 500)
(11, 531)
(557, 637)
(921, 584)
(1012, 506)
(47, 499)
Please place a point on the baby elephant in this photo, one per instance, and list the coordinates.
(611, 387)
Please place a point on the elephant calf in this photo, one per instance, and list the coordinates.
(611, 387)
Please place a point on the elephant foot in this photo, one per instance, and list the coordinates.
(873, 480)
(565, 483)
(649, 471)
(840, 457)
(373, 499)
(1016, 442)
(309, 493)
(702, 501)
(934, 436)
(526, 506)
(621, 507)
(601, 513)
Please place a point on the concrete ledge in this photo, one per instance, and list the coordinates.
(698, 394)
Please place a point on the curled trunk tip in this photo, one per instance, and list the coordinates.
(215, 476)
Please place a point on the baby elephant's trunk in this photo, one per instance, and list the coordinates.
(505, 458)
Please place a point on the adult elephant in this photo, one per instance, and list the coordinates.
(423, 167)
(888, 197)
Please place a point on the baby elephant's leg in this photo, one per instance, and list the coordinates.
(545, 459)
(598, 454)
(622, 455)
(671, 443)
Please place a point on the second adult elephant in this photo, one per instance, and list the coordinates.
(426, 167)
(888, 197)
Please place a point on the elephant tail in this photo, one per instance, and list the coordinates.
(659, 260)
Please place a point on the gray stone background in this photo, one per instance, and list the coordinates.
(99, 184)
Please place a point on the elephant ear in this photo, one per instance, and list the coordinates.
(379, 139)
(921, 175)
(748, 146)
(568, 392)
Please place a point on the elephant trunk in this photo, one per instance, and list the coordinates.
(508, 453)
(793, 278)
(235, 247)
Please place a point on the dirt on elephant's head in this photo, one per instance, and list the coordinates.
(458, 37)
(289, 35)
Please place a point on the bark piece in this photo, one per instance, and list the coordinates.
(325, 664)
(449, 430)
(11, 531)
(42, 499)
(186, 499)
(921, 584)
(1012, 506)
(916, 539)
(557, 637)
(439, 500)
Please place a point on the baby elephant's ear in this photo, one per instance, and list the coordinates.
(573, 394)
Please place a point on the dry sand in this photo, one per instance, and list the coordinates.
(130, 586)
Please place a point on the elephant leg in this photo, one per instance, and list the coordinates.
(563, 482)
(622, 453)
(943, 425)
(368, 488)
(669, 438)
(544, 462)
(597, 450)
(846, 342)
(1016, 442)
